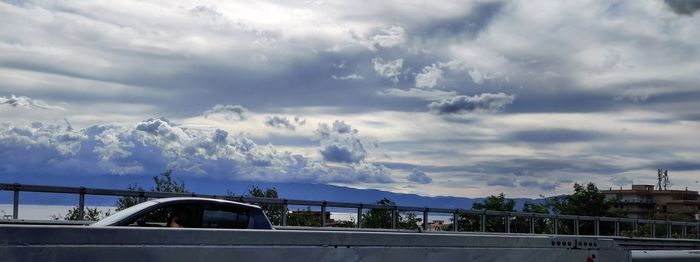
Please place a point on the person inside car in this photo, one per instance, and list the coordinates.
(180, 217)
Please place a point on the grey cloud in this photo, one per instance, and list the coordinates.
(505, 181)
(683, 7)
(555, 136)
(543, 185)
(486, 102)
(26, 102)
(279, 122)
(620, 180)
(418, 176)
(340, 143)
(228, 112)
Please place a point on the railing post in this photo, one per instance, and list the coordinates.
(359, 216)
(653, 229)
(684, 231)
(455, 220)
(81, 204)
(596, 226)
(285, 210)
(393, 217)
(15, 202)
(425, 219)
(635, 227)
(669, 227)
(482, 225)
(323, 214)
(617, 227)
(555, 223)
(506, 222)
(142, 196)
(532, 224)
(576, 226)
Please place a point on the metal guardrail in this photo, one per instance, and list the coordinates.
(483, 215)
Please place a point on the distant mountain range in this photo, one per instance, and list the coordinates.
(222, 187)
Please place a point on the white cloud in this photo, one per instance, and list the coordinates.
(429, 77)
(348, 77)
(429, 94)
(389, 69)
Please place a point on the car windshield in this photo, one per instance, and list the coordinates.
(121, 215)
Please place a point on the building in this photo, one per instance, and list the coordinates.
(643, 201)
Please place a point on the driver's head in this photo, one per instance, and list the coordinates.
(181, 217)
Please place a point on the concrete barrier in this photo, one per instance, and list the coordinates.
(71, 243)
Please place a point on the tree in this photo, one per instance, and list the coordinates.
(542, 226)
(164, 182)
(91, 214)
(470, 222)
(381, 217)
(273, 212)
(585, 201)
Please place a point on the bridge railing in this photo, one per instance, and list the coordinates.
(480, 220)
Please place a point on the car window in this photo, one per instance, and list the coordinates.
(183, 215)
(217, 216)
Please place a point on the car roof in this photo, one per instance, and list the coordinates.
(201, 199)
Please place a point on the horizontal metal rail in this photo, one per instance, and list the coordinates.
(484, 215)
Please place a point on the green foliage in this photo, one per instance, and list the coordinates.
(522, 224)
(91, 214)
(496, 203)
(585, 201)
(128, 201)
(468, 222)
(304, 217)
(273, 212)
(381, 217)
(164, 182)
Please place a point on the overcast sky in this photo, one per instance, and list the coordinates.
(435, 98)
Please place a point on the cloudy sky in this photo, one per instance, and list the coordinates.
(435, 98)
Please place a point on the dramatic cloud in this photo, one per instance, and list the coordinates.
(429, 77)
(417, 176)
(683, 7)
(26, 102)
(609, 90)
(157, 144)
(389, 69)
(340, 143)
(486, 102)
(228, 112)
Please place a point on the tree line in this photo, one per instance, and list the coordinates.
(586, 200)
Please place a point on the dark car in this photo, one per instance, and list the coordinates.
(190, 212)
